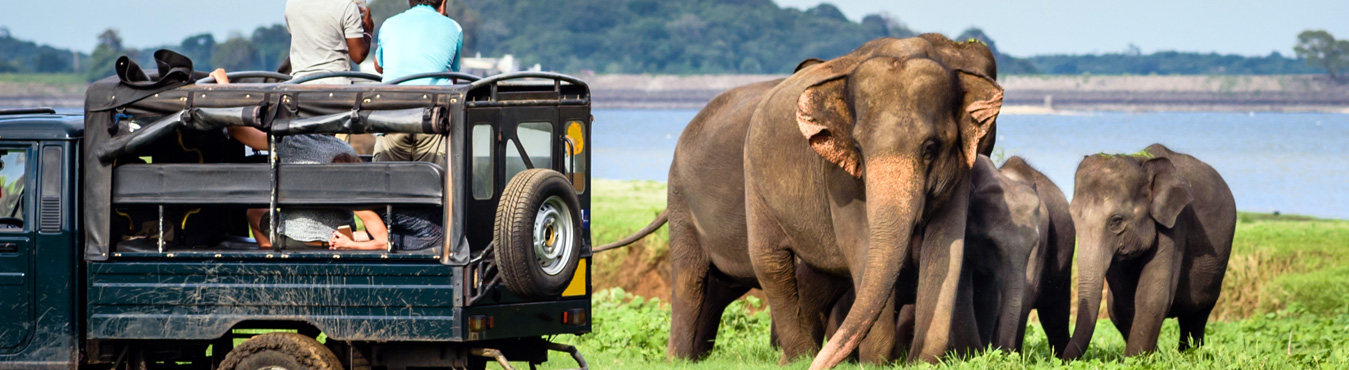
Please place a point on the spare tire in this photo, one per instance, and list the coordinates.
(538, 234)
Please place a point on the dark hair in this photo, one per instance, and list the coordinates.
(346, 158)
(432, 3)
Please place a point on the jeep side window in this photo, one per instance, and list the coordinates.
(482, 161)
(537, 138)
(576, 155)
(13, 177)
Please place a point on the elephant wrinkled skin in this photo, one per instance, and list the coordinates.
(1158, 227)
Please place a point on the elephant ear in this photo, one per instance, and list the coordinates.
(979, 111)
(825, 119)
(1170, 193)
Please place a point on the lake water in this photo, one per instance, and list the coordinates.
(1293, 163)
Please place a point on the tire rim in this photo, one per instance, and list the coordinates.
(553, 235)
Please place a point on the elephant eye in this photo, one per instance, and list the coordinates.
(1116, 224)
(929, 151)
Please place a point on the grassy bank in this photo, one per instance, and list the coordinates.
(1285, 305)
(47, 79)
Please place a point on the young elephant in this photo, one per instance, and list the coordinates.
(1003, 236)
(1021, 243)
(1054, 299)
(1158, 227)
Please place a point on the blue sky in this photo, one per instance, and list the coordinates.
(1022, 28)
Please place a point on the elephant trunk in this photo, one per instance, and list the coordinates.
(1092, 266)
(895, 199)
(1011, 321)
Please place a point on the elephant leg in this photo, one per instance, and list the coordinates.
(820, 292)
(904, 323)
(1053, 310)
(775, 268)
(879, 345)
(1120, 298)
(1152, 300)
(700, 294)
(1192, 329)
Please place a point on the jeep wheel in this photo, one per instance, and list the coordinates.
(538, 234)
(280, 351)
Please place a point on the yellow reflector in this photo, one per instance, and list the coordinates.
(578, 280)
(576, 133)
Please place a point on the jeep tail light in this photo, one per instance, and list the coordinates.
(480, 323)
(575, 317)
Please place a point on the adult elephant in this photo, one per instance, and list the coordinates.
(1158, 226)
(710, 259)
(854, 167)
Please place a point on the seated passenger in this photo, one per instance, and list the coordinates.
(305, 226)
(409, 231)
(421, 39)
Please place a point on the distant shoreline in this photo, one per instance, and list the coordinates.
(1025, 94)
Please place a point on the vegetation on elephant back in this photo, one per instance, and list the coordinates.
(1283, 304)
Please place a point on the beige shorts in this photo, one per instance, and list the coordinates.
(410, 147)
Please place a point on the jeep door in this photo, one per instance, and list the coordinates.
(16, 234)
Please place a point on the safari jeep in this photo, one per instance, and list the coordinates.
(124, 240)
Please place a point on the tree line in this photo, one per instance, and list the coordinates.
(668, 37)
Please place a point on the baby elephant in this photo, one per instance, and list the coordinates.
(1019, 237)
(1158, 227)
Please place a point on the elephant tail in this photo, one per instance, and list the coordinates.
(650, 228)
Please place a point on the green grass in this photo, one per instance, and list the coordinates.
(631, 331)
(1285, 305)
(622, 207)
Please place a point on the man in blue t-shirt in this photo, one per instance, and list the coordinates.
(419, 40)
(422, 39)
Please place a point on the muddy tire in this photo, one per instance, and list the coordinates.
(538, 234)
(289, 351)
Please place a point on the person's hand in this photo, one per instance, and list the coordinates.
(340, 241)
(220, 76)
(366, 20)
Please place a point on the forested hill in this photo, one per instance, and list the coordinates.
(638, 36)
(672, 37)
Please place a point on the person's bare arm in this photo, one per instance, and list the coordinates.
(359, 48)
(252, 137)
(379, 234)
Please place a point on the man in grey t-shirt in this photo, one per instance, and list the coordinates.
(327, 36)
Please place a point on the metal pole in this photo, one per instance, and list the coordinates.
(161, 229)
(388, 226)
(272, 212)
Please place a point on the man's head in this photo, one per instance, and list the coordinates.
(346, 158)
(433, 3)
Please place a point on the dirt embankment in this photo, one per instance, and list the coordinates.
(36, 94)
(1025, 94)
